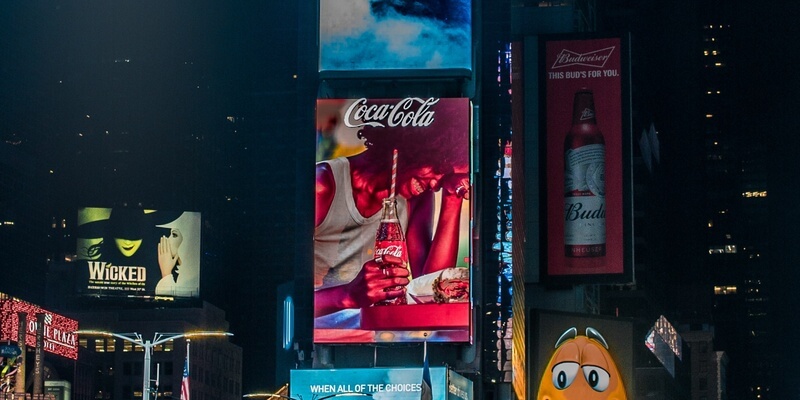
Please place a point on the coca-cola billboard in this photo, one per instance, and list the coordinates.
(587, 149)
(412, 154)
(59, 331)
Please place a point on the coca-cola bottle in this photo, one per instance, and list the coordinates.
(391, 240)
(584, 182)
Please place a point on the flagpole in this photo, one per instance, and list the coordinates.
(185, 389)
(426, 389)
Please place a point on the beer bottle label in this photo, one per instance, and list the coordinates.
(584, 201)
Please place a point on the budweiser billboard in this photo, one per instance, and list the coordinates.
(59, 331)
(139, 253)
(587, 152)
(391, 37)
(392, 220)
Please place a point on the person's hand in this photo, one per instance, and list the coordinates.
(377, 281)
(166, 257)
(456, 184)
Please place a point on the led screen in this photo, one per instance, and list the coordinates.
(417, 152)
(380, 383)
(140, 253)
(59, 331)
(360, 35)
(581, 356)
(585, 158)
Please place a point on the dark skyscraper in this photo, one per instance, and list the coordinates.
(735, 209)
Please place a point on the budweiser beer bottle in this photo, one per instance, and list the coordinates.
(584, 182)
(391, 240)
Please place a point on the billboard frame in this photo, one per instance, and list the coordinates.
(370, 324)
(397, 72)
(119, 250)
(624, 272)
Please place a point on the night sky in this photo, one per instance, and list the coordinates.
(176, 105)
(128, 101)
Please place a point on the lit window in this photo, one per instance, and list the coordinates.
(761, 193)
(724, 290)
(726, 249)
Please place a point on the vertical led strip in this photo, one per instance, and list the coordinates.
(288, 323)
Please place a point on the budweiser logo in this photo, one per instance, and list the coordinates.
(596, 58)
(587, 113)
(411, 111)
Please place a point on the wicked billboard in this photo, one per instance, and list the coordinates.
(139, 253)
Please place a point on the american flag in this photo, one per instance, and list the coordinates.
(185, 380)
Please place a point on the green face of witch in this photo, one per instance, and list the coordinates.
(128, 247)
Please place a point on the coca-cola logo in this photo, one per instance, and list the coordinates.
(595, 58)
(411, 111)
(393, 250)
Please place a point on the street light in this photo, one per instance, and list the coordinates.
(268, 396)
(158, 338)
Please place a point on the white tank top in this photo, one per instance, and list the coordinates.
(345, 239)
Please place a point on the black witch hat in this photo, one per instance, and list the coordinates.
(128, 223)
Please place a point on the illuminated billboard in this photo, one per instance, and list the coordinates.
(383, 36)
(380, 383)
(587, 152)
(58, 330)
(408, 159)
(581, 356)
(138, 253)
(665, 343)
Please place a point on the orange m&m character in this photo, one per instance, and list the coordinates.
(581, 368)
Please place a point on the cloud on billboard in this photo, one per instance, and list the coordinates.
(362, 35)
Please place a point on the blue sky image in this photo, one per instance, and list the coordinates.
(394, 34)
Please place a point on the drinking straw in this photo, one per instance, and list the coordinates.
(394, 172)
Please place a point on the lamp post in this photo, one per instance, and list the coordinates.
(267, 396)
(158, 338)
